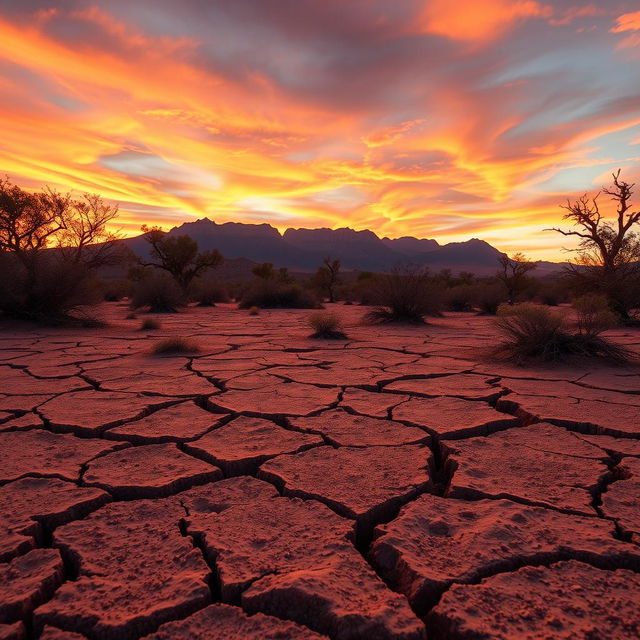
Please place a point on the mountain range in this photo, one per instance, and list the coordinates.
(304, 249)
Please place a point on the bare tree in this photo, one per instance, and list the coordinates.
(50, 242)
(608, 255)
(179, 256)
(327, 277)
(513, 274)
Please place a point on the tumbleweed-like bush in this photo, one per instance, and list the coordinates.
(326, 324)
(175, 345)
(534, 331)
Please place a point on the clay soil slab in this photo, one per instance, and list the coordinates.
(25, 422)
(368, 403)
(136, 570)
(466, 386)
(282, 399)
(618, 446)
(292, 558)
(240, 446)
(436, 541)
(590, 416)
(541, 464)
(330, 376)
(31, 504)
(91, 412)
(345, 429)
(14, 631)
(366, 484)
(180, 422)
(149, 471)
(52, 633)
(28, 581)
(452, 418)
(42, 453)
(622, 499)
(567, 601)
(16, 381)
(222, 622)
(179, 385)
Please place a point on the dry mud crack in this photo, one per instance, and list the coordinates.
(271, 486)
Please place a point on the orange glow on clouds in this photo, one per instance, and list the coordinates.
(429, 118)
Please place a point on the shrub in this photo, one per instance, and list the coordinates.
(149, 324)
(405, 295)
(269, 294)
(488, 296)
(460, 298)
(534, 331)
(175, 345)
(594, 314)
(207, 292)
(158, 292)
(115, 290)
(326, 324)
(254, 311)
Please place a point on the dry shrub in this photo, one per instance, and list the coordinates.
(326, 324)
(158, 293)
(175, 345)
(208, 292)
(488, 296)
(149, 324)
(534, 331)
(405, 295)
(594, 314)
(254, 311)
(270, 294)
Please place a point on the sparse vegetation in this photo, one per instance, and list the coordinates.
(208, 292)
(158, 293)
(269, 294)
(254, 311)
(608, 256)
(326, 324)
(50, 246)
(535, 331)
(149, 324)
(175, 345)
(405, 295)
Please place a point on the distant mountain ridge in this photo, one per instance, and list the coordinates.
(304, 249)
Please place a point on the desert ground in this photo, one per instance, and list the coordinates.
(395, 485)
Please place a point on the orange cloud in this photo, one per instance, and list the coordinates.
(479, 20)
(625, 23)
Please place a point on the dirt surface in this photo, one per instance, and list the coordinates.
(395, 485)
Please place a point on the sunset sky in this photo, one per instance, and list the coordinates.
(434, 118)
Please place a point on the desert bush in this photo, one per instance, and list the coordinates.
(175, 345)
(270, 294)
(149, 324)
(115, 290)
(254, 311)
(594, 315)
(488, 296)
(207, 292)
(405, 295)
(158, 292)
(535, 331)
(326, 324)
(460, 297)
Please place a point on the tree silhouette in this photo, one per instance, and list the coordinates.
(513, 274)
(179, 256)
(608, 256)
(327, 277)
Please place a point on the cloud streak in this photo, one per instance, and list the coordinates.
(417, 117)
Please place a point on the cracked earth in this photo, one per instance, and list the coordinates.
(391, 486)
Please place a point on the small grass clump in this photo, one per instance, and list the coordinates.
(535, 332)
(254, 311)
(149, 324)
(175, 345)
(326, 324)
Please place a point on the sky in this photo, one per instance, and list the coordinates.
(432, 118)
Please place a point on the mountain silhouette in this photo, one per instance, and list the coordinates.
(304, 249)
